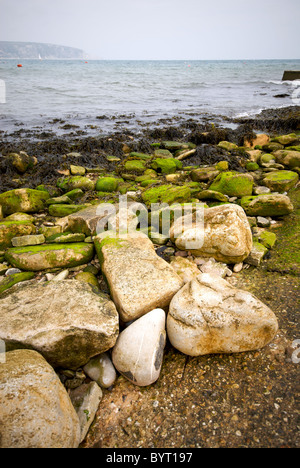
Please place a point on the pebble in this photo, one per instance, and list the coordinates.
(263, 222)
(12, 271)
(101, 370)
(238, 267)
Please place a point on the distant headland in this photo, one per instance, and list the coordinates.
(39, 51)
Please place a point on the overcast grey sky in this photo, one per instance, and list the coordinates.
(159, 29)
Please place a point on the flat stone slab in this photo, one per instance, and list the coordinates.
(139, 280)
(65, 321)
(37, 258)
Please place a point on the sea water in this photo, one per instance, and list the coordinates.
(104, 94)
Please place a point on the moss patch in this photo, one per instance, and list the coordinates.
(233, 184)
(167, 194)
(14, 279)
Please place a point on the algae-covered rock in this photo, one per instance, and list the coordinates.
(135, 165)
(288, 158)
(212, 195)
(65, 238)
(66, 321)
(77, 182)
(288, 140)
(281, 181)
(23, 200)
(166, 166)
(87, 277)
(227, 145)
(271, 147)
(11, 229)
(22, 161)
(267, 205)
(268, 239)
(107, 184)
(24, 241)
(204, 174)
(166, 194)
(11, 280)
(60, 211)
(50, 256)
(177, 145)
(233, 184)
(36, 411)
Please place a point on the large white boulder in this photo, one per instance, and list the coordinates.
(138, 353)
(222, 232)
(208, 315)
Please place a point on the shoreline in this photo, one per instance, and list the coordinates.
(51, 149)
(236, 388)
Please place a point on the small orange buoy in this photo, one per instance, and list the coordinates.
(19, 65)
(86, 62)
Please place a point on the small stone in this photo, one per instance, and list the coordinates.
(238, 267)
(260, 190)
(101, 370)
(138, 353)
(63, 275)
(263, 222)
(12, 271)
(257, 254)
(77, 170)
(86, 400)
(215, 268)
(184, 268)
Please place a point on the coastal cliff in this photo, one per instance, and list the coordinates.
(35, 50)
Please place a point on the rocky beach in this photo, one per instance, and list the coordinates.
(149, 285)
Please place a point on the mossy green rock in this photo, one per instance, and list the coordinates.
(271, 147)
(212, 195)
(177, 145)
(11, 280)
(66, 238)
(77, 182)
(60, 211)
(166, 166)
(107, 184)
(23, 200)
(204, 174)
(227, 145)
(233, 184)
(11, 229)
(281, 181)
(287, 140)
(90, 278)
(266, 158)
(142, 156)
(166, 194)
(268, 239)
(252, 166)
(290, 159)
(267, 205)
(51, 256)
(135, 166)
